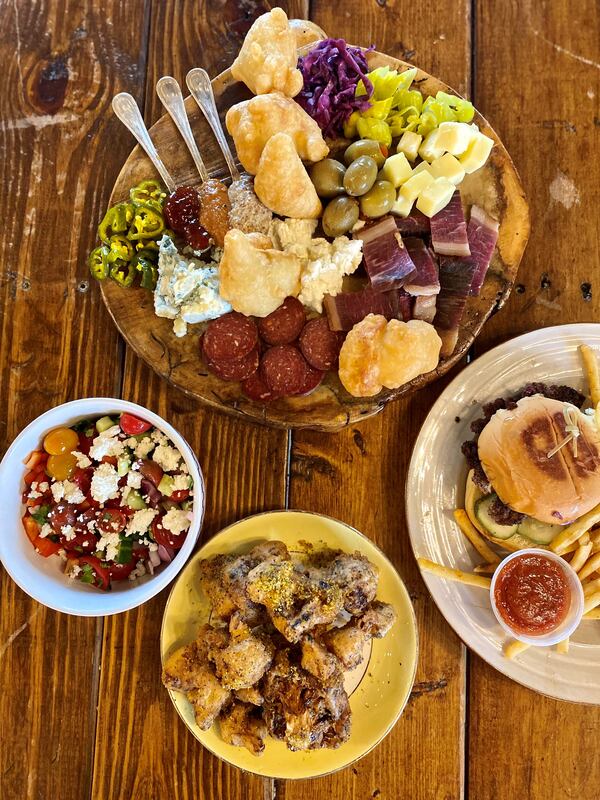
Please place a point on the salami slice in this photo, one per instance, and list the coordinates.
(284, 369)
(231, 336)
(284, 325)
(312, 380)
(319, 344)
(255, 387)
(237, 369)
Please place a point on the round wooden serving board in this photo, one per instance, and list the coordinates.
(496, 187)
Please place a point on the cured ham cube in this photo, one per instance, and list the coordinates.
(482, 231)
(386, 259)
(449, 229)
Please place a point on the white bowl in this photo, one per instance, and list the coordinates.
(43, 578)
(574, 615)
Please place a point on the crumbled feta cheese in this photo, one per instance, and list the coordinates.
(105, 483)
(144, 447)
(109, 542)
(91, 525)
(176, 520)
(72, 493)
(58, 491)
(134, 480)
(159, 437)
(46, 530)
(181, 482)
(141, 521)
(83, 462)
(74, 572)
(42, 487)
(68, 531)
(107, 443)
(33, 494)
(167, 457)
(152, 547)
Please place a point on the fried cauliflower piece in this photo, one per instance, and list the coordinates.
(348, 644)
(253, 122)
(282, 182)
(242, 663)
(317, 660)
(208, 698)
(241, 726)
(256, 281)
(377, 619)
(251, 695)
(356, 577)
(184, 668)
(267, 59)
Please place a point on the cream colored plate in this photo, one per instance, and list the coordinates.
(435, 486)
(380, 696)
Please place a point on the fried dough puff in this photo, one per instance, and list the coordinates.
(282, 182)
(268, 57)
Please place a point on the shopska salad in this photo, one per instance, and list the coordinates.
(112, 497)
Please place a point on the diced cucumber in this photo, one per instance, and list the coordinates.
(104, 423)
(482, 512)
(166, 485)
(123, 465)
(187, 505)
(135, 500)
(539, 532)
(125, 551)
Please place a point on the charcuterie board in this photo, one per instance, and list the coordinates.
(496, 187)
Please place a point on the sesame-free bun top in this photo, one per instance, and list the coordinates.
(513, 449)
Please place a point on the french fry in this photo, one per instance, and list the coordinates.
(591, 601)
(514, 648)
(581, 556)
(590, 364)
(593, 614)
(591, 565)
(454, 574)
(473, 535)
(572, 532)
(563, 646)
(590, 587)
(485, 569)
(584, 539)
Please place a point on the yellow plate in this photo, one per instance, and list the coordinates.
(381, 695)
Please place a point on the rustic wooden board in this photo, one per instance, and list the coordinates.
(496, 187)
(62, 63)
(522, 744)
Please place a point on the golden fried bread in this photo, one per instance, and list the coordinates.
(282, 182)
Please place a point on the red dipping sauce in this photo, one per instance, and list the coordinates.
(532, 594)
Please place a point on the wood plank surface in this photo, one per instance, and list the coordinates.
(62, 63)
(358, 475)
(520, 743)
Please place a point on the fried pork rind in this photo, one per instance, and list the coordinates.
(253, 122)
(254, 280)
(377, 353)
(282, 182)
(267, 59)
(241, 726)
(306, 32)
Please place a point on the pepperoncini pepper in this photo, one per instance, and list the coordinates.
(116, 220)
(98, 262)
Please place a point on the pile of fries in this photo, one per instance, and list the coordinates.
(578, 543)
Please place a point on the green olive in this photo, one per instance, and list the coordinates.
(360, 176)
(365, 147)
(340, 215)
(378, 200)
(328, 177)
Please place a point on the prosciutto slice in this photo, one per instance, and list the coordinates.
(482, 231)
(416, 224)
(449, 229)
(456, 275)
(347, 308)
(386, 259)
(426, 279)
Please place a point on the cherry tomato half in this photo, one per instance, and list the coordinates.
(166, 538)
(101, 577)
(61, 515)
(180, 495)
(132, 425)
(150, 470)
(62, 466)
(111, 520)
(83, 479)
(119, 572)
(60, 440)
(81, 543)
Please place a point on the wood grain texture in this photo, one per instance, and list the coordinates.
(358, 475)
(520, 743)
(62, 62)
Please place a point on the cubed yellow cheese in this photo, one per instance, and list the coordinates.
(396, 169)
(435, 196)
(449, 167)
(424, 165)
(477, 153)
(415, 185)
(402, 207)
(454, 137)
(409, 144)
(430, 149)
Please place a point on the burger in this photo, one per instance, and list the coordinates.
(534, 466)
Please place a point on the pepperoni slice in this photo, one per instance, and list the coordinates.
(237, 369)
(312, 380)
(231, 336)
(284, 369)
(284, 325)
(319, 344)
(255, 387)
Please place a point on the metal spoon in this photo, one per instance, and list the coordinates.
(127, 111)
(170, 96)
(198, 82)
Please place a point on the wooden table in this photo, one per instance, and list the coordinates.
(82, 710)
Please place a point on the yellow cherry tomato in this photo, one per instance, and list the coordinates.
(60, 440)
(61, 467)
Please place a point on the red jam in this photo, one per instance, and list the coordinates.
(532, 594)
(182, 212)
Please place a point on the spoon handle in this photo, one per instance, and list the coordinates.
(170, 96)
(128, 112)
(198, 82)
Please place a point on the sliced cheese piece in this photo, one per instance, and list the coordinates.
(449, 167)
(403, 206)
(455, 137)
(430, 149)
(435, 196)
(396, 169)
(415, 185)
(409, 144)
(477, 153)
(423, 166)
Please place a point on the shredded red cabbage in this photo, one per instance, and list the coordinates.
(331, 72)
